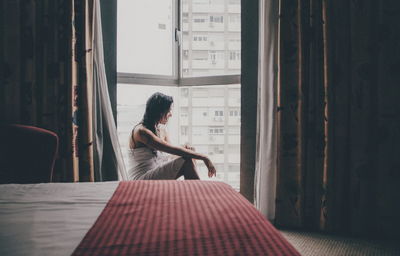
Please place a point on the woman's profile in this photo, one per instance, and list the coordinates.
(148, 141)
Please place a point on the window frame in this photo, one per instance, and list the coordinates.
(176, 79)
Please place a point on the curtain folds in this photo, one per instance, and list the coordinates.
(266, 155)
(338, 117)
(105, 128)
(302, 121)
(81, 87)
(48, 51)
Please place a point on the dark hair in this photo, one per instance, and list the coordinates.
(157, 106)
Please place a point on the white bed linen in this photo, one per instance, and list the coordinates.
(49, 219)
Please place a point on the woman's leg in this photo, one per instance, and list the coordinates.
(188, 170)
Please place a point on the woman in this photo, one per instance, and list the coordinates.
(148, 139)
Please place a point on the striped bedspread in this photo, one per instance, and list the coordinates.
(181, 218)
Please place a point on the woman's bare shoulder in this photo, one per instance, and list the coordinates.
(143, 132)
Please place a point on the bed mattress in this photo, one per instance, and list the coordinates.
(134, 218)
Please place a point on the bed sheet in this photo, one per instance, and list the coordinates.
(51, 218)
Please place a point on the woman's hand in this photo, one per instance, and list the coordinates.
(188, 146)
(211, 169)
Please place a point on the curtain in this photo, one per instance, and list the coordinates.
(266, 155)
(339, 117)
(46, 76)
(105, 128)
(301, 189)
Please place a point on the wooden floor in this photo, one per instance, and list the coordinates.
(316, 244)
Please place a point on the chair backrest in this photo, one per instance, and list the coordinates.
(27, 154)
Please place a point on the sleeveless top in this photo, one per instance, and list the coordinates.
(144, 159)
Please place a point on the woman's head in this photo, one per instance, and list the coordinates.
(158, 110)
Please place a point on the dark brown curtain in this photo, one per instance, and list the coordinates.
(339, 116)
(46, 76)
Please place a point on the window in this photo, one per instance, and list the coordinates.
(198, 63)
(234, 113)
(216, 130)
(219, 113)
(199, 19)
(199, 38)
(139, 18)
(217, 19)
(234, 55)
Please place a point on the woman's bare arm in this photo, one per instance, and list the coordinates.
(149, 139)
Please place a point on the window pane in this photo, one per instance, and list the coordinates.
(131, 103)
(145, 37)
(211, 123)
(210, 37)
(207, 117)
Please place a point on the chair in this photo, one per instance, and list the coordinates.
(27, 154)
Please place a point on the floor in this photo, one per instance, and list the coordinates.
(317, 244)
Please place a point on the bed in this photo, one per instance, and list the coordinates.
(133, 218)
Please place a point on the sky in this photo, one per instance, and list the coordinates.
(144, 36)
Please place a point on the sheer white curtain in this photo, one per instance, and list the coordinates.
(266, 151)
(104, 114)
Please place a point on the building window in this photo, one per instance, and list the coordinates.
(199, 20)
(219, 113)
(234, 113)
(217, 19)
(234, 55)
(216, 130)
(199, 38)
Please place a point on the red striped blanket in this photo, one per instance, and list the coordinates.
(181, 218)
